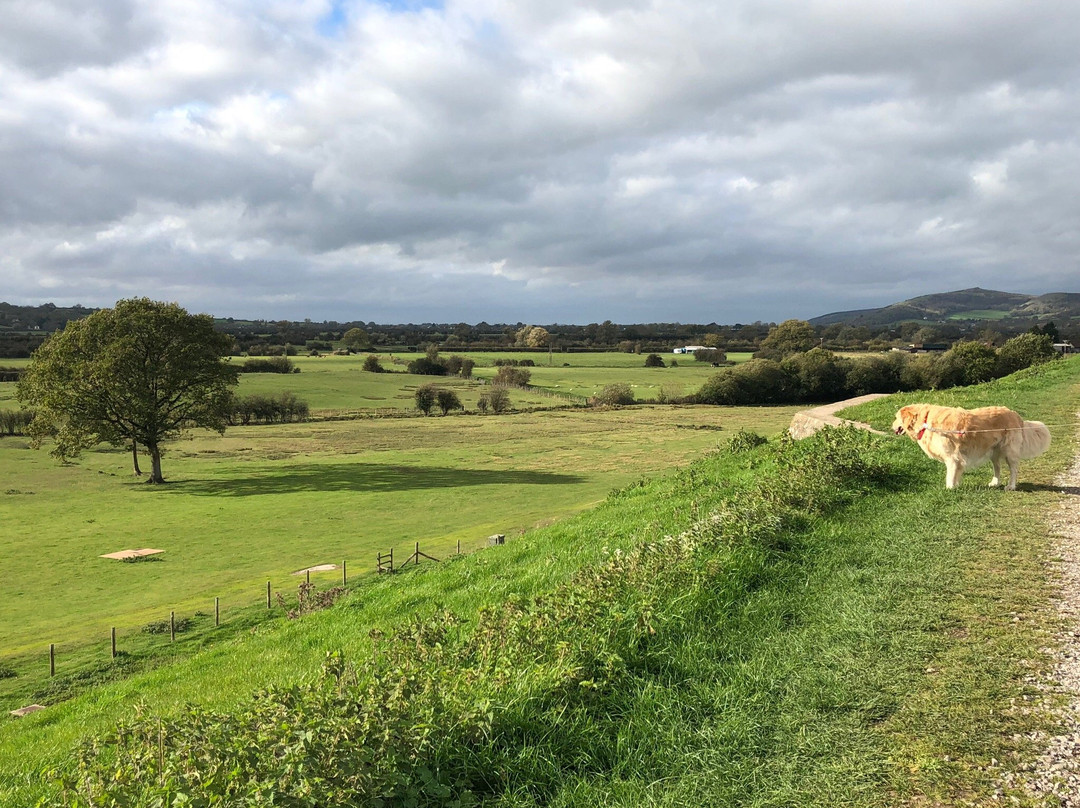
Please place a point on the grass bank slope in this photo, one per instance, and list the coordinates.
(798, 624)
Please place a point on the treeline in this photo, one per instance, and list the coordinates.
(289, 338)
(262, 409)
(820, 375)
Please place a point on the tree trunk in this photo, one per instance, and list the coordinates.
(155, 464)
(135, 458)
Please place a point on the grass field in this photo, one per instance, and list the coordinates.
(866, 656)
(262, 502)
(980, 314)
(337, 383)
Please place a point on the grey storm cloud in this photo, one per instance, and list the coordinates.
(541, 161)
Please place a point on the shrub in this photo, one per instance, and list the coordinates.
(466, 370)
(427, 367)
(745, 440)
(710, 355)
(759, 381)
(448, 400)
(499, 399)
(509, 376)
(274, 364)
(371, 364)
(876, 374)
(284, 408)
(817, 375)
(425, 398)
(654, 361)
(483, 404)
(615, 395)
(1023, 351)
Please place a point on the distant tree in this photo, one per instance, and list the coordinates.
(498, 399)
(139, 373)
(965, 363)
(1023, 351)
(508, 376)
(790, 336)
(615, 395)
(371, 364)
(532, 336)
(711, 355)
(466, 369)
(356, 339)
(447, 400)
(425, 397)
(654, 361)
(759, 381)
(818, 375)
(1049, 330)
(424, 366)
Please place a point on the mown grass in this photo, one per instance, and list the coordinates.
(867, 658)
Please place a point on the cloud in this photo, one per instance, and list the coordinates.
(552, 161)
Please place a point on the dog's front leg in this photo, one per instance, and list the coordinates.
(996, 480)
(953, 472)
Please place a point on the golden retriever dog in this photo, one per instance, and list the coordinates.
(963, 439)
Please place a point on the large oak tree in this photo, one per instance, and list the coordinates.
(138, 373)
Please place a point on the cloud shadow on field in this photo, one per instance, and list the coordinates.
(361, 477)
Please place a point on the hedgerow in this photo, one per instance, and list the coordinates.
(500, 707)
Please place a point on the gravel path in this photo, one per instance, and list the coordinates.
(1056, 773)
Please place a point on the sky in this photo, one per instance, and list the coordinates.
(547, 161)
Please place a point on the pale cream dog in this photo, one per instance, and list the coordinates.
(963, 439)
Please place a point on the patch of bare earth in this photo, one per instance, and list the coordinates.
(1055, 775)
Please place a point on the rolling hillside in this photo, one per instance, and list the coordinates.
(975, 304)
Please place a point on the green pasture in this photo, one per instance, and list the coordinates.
(337, 385)
(980, 314)
(259, 503)
(869, 657)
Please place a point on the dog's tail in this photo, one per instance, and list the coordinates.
(1034, 439)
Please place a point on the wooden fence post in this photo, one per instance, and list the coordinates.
(217, 611)
(344, 574)
(52, 659)
(172, 626)
(267, 594)
(114, 642)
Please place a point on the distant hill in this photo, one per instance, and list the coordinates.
(964, 304)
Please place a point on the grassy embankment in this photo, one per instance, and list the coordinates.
(862, 650)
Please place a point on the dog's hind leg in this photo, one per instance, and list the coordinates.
(1014, 471)
(995, 459)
